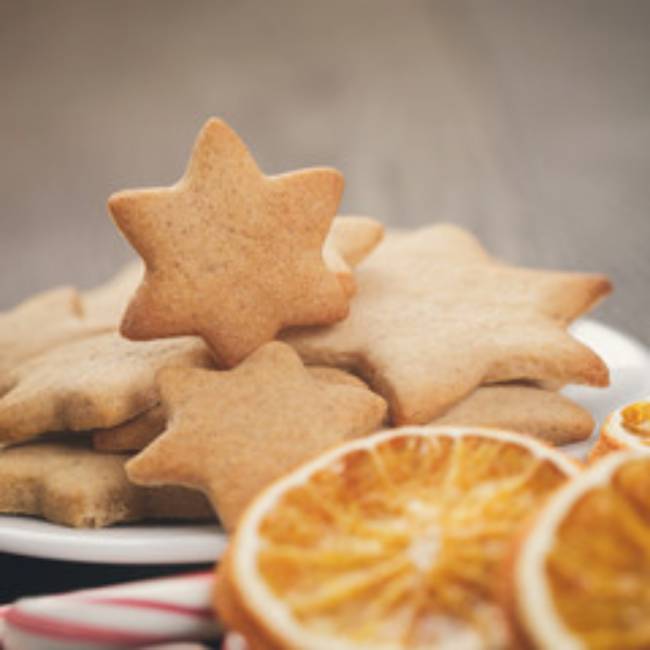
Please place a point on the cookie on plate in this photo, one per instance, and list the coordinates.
(68, 483)
(542, 413)
(137, 433)
(97, 382)
(231, 255)
(42, 323)
(435, 317)
(230, 433)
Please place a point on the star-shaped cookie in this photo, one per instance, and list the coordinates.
(350, 240)
(435, 316)
(232, 432)
(68, 483)
(136, 434)
(523, 408)
(97, 382)
(41, 323)
(231, 255)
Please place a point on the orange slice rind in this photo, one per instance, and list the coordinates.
(627, 427)
(390, 542)
(581, 576)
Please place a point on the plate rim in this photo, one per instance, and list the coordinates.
(117, 545)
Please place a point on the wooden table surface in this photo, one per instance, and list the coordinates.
(528, 122)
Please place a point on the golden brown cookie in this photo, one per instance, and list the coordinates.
(231, 255)
(526, 409)
(41, 323)
(137, 433)
(435, 317)
(350, 240)
(231, 433)
(97, 382)
(70, 484)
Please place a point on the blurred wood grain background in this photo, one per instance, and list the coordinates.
(527, 121)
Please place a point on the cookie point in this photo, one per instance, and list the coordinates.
(129, 327)
(337, 178)
(133, 469)
(117, 201)
(215, 126)
(600, 375)
(604, 285)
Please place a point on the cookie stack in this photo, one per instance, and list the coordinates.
(250, 345)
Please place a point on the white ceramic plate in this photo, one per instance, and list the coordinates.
(629, 364)
(128, 544)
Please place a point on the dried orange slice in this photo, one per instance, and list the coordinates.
(389, 542)
(581, 578)
(626, 428)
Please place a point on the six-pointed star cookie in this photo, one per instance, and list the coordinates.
(232, 432)
(435, 316)
(68, 483)
(231, 254)
(97, 382)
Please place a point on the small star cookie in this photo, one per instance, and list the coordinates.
(97, 382)
(137, 433)
(69, 484)
(435, 317)
(230, 433)
(231, 255)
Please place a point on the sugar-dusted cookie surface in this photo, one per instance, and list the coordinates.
(231, 255)
(70, 484)
(41, 323)
(542, 413)
(435, 316)
(97, 382)
(137, 433)
(230, 433)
